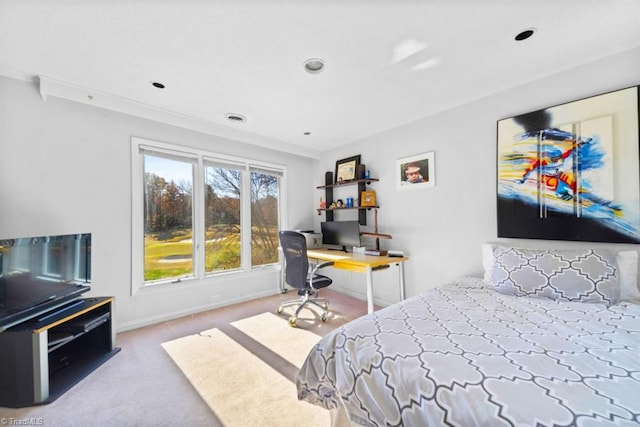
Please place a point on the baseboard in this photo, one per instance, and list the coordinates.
(147, 321)
(361, 296)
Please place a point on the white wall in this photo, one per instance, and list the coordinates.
(442, 228)
(66, 168)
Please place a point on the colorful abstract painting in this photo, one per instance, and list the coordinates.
(571, 172)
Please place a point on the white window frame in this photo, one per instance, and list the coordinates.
(137, 209)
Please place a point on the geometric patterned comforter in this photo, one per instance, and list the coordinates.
(465, 355)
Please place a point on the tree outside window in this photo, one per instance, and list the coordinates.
(265, 187)
(223, 242)
(168, 224)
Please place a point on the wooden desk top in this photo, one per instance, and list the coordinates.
(353, 259)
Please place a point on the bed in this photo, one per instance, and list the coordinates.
(510, 348)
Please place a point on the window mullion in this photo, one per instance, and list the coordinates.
(245, 201)
(199, 240)
(282, 213)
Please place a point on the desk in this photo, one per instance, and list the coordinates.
(359, 263)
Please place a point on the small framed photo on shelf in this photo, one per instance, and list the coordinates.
(415, 172)
(347, 169)
(368, 198)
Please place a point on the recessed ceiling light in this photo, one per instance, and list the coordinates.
(313, 65)
(158, 85)
(236, 118)
(525, 34)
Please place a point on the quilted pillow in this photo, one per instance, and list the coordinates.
(581, 275)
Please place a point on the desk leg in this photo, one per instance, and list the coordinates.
(369, 290)
(401, 279)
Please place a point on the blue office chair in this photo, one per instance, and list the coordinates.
(297, 275)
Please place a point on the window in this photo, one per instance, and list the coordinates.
(265, 186)
(198, 214)
(168, 216)
(223, 244)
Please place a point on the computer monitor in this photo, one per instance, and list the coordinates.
(341, 234)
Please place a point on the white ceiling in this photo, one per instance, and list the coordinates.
(388, 62)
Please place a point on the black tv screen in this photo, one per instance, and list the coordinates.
(344, 234)
(38, 274)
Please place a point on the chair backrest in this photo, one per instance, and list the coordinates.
(294, 248)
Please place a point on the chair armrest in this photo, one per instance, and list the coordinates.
(323, 265)
(313, 272)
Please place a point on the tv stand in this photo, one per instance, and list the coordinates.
(43, 357)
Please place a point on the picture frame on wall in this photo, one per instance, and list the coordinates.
(415, 172)
(572, 171)
(347, 169)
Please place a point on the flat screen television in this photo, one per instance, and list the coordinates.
(39, 274)
(342, 235)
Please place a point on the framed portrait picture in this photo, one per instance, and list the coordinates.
(347, 169)
(571, 171)
(416, 172)
(368, 198)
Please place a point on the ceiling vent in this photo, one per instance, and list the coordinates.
(236, 118)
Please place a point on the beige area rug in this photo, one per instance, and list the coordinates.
(273, 332)
(239, 387)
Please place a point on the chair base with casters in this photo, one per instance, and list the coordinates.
(296, 269)
(304, 301)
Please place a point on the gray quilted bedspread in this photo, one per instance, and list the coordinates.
(466, 355)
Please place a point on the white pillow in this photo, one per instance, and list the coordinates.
(628, 276)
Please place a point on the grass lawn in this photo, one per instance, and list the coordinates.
(170, 254)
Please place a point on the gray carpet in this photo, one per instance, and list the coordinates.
(143, 386)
